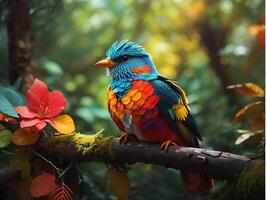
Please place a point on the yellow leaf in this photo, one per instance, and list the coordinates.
(64, 124)
(249, 110)
(248, 89)
(119, 183)
(25, 136)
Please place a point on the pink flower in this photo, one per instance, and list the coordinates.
(42, 106)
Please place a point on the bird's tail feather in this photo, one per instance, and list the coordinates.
(196, 183)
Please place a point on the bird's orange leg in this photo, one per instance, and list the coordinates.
(165, 145)
(125, 137)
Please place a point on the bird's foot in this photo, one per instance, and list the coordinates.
(125, 137)
(165, 145)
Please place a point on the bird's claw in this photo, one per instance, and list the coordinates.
(165, 145)
(125, 137)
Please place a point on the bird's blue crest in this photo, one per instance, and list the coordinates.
(125, 47)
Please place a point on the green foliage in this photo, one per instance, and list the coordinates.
(250, 185)
(5, 136)
(9, 98)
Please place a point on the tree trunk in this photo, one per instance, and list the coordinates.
(19, 43)
(214, 39)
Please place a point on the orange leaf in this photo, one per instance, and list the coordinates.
(64, 124)
(62, 192)
(249, 110)
(248, 89)
(43, 185)
(119, 183)
(25, 136)
(259, 31)
(7, 119)
(258, 123)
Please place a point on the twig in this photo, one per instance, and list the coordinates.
(66, 170)
(59, 171)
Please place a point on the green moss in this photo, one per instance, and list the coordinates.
(86, 143)
(249, 185)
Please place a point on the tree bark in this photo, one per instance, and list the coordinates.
(19, 43)
(215, 164)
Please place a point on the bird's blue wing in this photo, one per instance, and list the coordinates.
(174, 109)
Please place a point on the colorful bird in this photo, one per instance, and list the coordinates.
(146, 105)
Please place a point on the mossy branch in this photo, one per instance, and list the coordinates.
(84, 148)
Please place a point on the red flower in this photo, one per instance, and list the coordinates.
(42, 106)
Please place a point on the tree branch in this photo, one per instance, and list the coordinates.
(215, 164)
(87, 148)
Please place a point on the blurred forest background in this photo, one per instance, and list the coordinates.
(204, 45)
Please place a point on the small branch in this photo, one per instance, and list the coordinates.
(59, 171)
(66, 170)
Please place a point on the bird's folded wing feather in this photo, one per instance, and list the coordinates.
(173, 107)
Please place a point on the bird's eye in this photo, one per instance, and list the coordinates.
(125, 58)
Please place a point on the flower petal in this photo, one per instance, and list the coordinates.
(37, 96)
(29, 122)
(40, 125)
(25, 112)
(56, 104)
(50, 121)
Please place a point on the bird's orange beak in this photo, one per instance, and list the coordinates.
(106, 63)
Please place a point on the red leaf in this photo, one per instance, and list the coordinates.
(56, 104)
(43, 185)
(29, 122)
(25, 112)
(62, 192)
(38, 124)
(37, 96)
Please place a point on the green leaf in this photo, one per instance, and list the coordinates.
(14, 97)
(5, 136)
(9, 99)
(52, 68)
(18, 83)
(7, 108)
